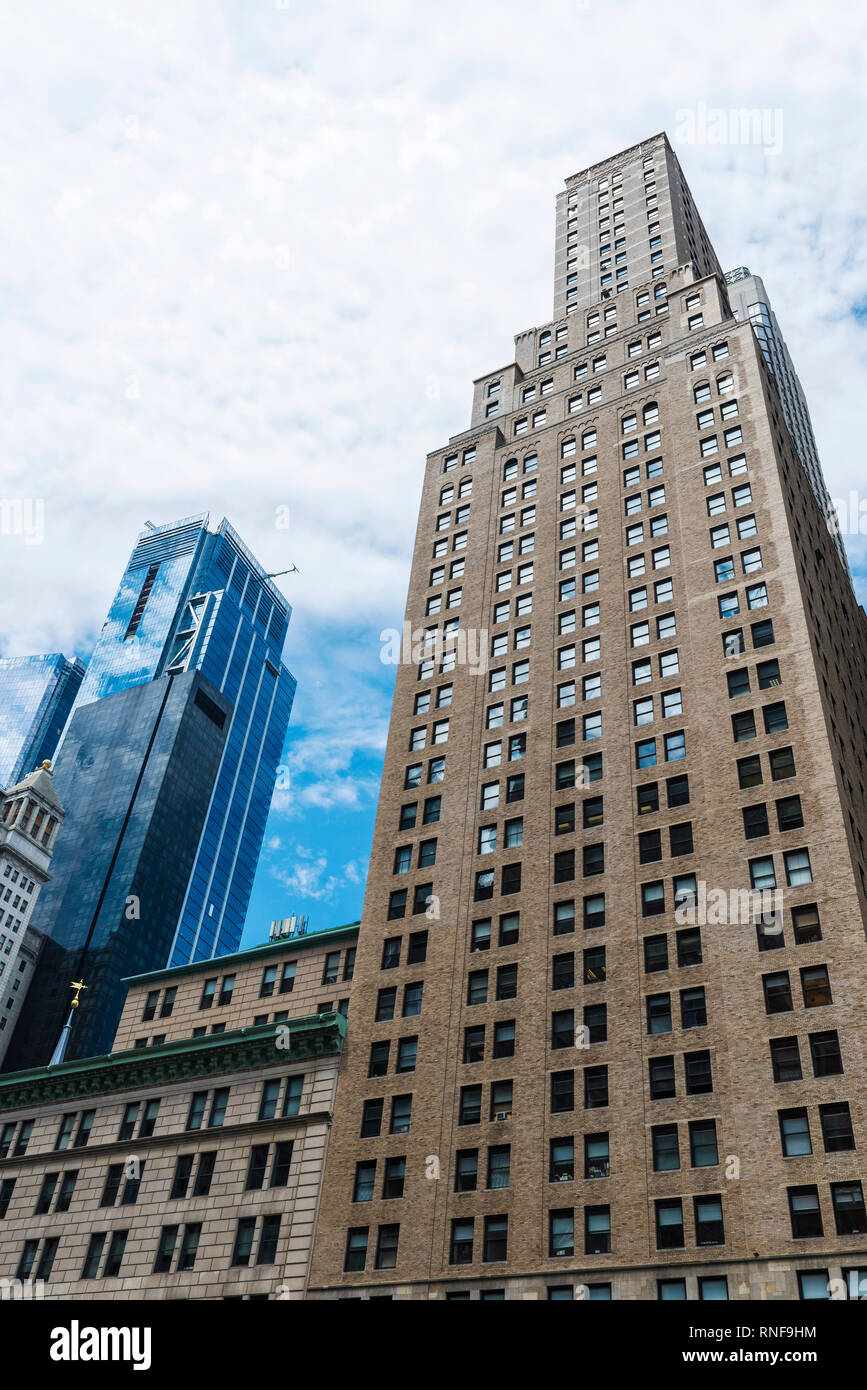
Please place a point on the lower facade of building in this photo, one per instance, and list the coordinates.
(189, 1171)
(805, 1279)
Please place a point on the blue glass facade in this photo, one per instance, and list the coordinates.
(196, 599)
(36, 695)
(136, 771)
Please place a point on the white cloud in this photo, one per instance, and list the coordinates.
(249, 242)
(308, 875)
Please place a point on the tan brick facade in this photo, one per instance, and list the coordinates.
(189, 1169)
(678, 372)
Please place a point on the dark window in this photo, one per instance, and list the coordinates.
(743, 726)
(394, 1177)
(669, 1224)
(597, 1158)
(815, 986)
(778, 992)
(470, 1110)
(595, 1087)
(755, 821)
(371, 1121)
(649, 846)
(386, 1247)
(836, 1125)
(786, 1059)
(165, 1249)
(597, 1230)
(562, 1091)
(680, 839)
(750, 771)
(693, 1007)
(775, 717)
(495, 1239)
(356, 1249)
(847, 1199)
(417, 949)
(655, 953)
(594, 965)
(658, 1008)
(805, 924)
(703, 1143)
(507, 981)
(593, 857)
(689, 946)
(563, 971)
(511, 879)
(806, 1216)
(256, 1168)
(790, 816)
(782, 764)
(666, 1149)
(385, 1002)
(825, 1053)
(466, 1170)
(564, 866)
(677, 791)
(461, 1243)
(561, 1164)
(697, 1070)
(708, 1213)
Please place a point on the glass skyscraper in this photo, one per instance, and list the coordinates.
(36, 695)
(138, 770)
(196, 599)
(167, 767)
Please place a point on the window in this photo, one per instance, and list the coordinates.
(386, 1241)
(595, 1087)
(709, 1229)
(356, 1248)
(669, 1224)
(836, 1123)
(797, 866)
(597, 1230)
(713, 1288)
(795, 1133)
(703, 1143)
(815, 986)
(655, 953)
(652, 898)
(813, 1284)
(782, 764)
(697, 1071)
(371, 1121)
(806, 924)
(693, 1008)
(785, 1059)
(804, 1212)
(825, 1054)
(401, 1114)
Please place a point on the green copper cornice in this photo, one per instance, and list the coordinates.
(246, 1049)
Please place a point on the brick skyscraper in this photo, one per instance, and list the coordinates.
(577, 1064)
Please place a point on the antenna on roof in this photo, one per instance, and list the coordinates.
(293, 570)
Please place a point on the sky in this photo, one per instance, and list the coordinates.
(253, 254)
